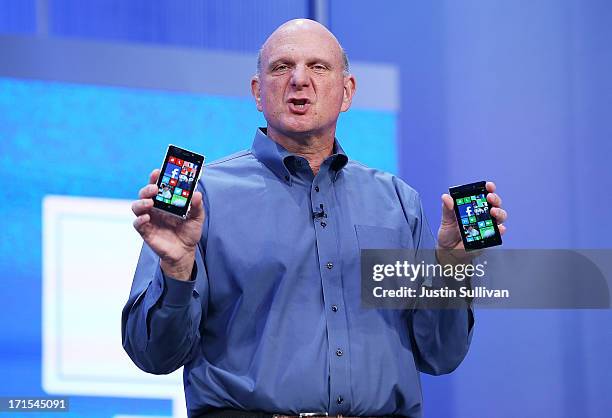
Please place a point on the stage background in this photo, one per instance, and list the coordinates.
(517, 92)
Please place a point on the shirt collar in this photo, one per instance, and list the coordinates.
(277, 158)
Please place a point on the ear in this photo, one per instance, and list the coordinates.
(350, 86)
(256, 92)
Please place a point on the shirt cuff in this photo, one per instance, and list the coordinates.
(179, 292)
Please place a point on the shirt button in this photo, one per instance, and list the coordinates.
(317, 189)
(323, 224)
(335, 308)
(339, 400)
(339, 353)
(330, 265)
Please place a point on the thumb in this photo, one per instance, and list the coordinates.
(448, 212)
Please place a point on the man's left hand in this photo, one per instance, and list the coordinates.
(449, 236)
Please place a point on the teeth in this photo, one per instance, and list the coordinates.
(300, 106)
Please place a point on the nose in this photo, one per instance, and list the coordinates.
(299, 77)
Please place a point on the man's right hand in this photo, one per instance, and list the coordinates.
(173, 239)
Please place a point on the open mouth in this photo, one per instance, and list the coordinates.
(299, 105)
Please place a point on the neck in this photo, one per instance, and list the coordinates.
(314, 148)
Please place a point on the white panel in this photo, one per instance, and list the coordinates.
(90, 250)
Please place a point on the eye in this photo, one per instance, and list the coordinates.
(319, 67)
(280, 67)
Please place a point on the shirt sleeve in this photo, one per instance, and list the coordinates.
(440, 338)
(160, 321)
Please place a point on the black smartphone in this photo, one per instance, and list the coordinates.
(478, 228)
(177, 181)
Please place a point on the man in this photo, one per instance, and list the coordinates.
(257, 293)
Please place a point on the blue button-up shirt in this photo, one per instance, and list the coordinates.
(271, 320)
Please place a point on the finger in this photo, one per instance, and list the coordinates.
(499, 214)
(494, 199)
(149, 191)
(154, 176)
(502, 228)
(141, 222)
(142, 206)
(490, 186)
(196, 211)
(196, 201)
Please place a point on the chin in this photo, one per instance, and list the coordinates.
(301, 126)
(298, 128)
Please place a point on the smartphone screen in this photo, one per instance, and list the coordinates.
(177, 181)
(478, 228)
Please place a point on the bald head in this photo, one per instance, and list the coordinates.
(301, 27)
(302, 83)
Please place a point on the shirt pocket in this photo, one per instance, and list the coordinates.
(378, 237)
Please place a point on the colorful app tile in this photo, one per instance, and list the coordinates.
(178, 190)
(188, 171)
(488, 222)
(172, 171)
(165, 180)
(488, 232)
(185, 182)
(173, 182)
(172, 160)
(472, 219)
(469, 239)
(466, 210)
(179, 162)
(481, 211)
(465, 221)
(165, 191)
(185, 193)
(481, 224)
(179, 201)
(459, 201)
(470, 230)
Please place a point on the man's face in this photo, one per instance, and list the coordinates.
(302, 88)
